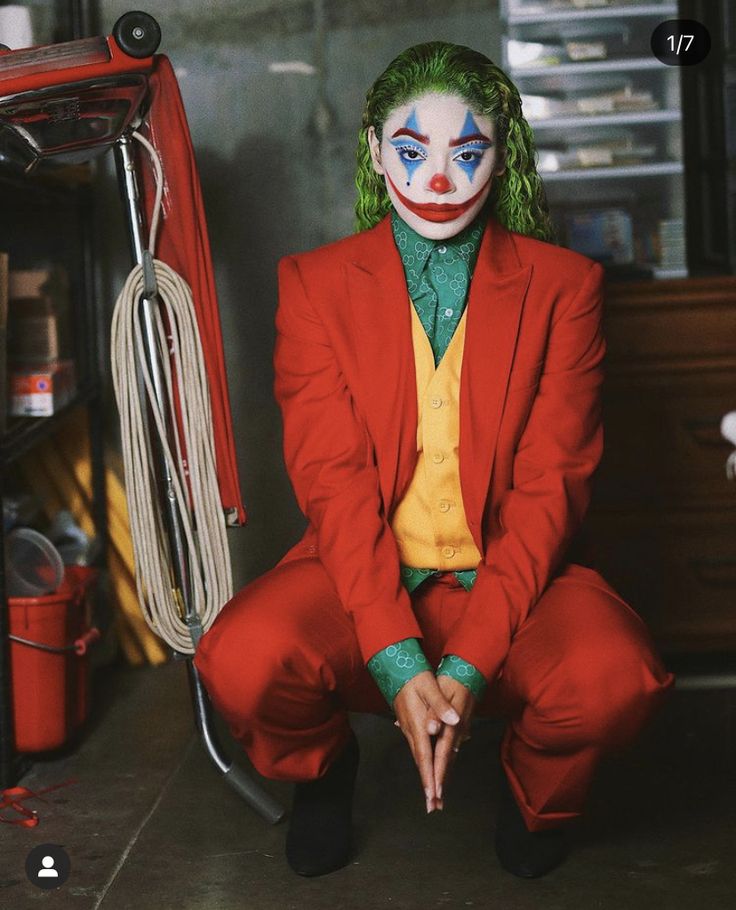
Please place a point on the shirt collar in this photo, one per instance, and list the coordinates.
(466, 244)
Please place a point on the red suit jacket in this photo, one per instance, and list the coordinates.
(530, 423)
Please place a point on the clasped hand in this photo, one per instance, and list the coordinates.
(429, 706)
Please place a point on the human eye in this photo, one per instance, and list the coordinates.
(468, 155)
(410, 153)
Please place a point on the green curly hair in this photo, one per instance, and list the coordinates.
(517, 197)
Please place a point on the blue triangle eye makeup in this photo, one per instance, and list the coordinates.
(470, 128)
(412, 123)
(471, 145)
(411, 150)
(469, 158)
(412, 145)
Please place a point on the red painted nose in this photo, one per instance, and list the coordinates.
(440, 184)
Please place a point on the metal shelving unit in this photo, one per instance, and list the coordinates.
(25, 432)
(593, 66)
(530, 11)
(559, 123)
(611, 173)
(591, 88)
(67, 204)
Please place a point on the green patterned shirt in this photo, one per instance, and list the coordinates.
(438, 275)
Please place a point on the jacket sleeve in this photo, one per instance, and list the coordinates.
(329, 459)
(556, 456)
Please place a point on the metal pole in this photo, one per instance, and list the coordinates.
(236, 777)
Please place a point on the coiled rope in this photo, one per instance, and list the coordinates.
(203, 519)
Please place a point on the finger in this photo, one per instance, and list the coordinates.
(421, 751)
(434, 725)
(439, 705)
(423, 759)
(436, 702)
(446, 749)
(443, 756)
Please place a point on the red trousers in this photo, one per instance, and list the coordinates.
(282, 666)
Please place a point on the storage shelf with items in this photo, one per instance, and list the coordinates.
(607, 121)
(51, 333)
(51, 348)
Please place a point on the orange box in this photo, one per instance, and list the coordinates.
(41, 391)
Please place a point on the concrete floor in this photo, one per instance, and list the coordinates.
(149, 824)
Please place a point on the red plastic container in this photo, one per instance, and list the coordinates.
(51, 687)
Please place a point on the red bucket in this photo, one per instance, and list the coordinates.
(49, 665)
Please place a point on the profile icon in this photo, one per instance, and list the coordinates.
(48, 870)
(48, 866)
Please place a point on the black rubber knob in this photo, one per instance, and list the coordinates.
(137, 33)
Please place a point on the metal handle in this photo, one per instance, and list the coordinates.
(257, 798)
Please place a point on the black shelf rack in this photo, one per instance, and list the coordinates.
(68, 193)
(24, 432)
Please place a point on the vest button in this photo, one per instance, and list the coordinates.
(444, 505)
(438, 457)
(436, 402)
(448, 551)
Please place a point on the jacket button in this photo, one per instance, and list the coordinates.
(448, 551)
(444, 505)
(438, 457)
(436, 402)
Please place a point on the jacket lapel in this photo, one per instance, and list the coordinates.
(495, 302)
(381, 321)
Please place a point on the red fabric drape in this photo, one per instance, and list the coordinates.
(183, 244)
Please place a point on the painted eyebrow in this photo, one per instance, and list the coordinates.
(405, 131)
(473, 137)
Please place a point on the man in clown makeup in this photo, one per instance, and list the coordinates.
(439, 377)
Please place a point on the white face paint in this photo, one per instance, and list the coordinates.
(438, 157)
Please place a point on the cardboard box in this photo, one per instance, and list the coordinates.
(33, 336)
(28, 282)
(38, 318)
(41, 391)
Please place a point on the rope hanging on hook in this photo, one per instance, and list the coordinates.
(194, 482)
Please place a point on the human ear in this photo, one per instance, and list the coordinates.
(500, 167)
(375, 147)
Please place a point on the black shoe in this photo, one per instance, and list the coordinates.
(318, 840)
(528, 854)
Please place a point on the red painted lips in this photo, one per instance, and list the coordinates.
(436, 211)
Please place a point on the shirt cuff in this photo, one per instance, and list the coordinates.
(394, 666)
(463, 672)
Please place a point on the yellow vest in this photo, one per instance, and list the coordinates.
(429, 523)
